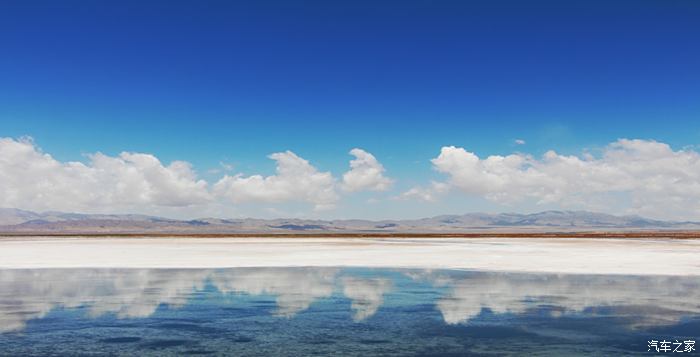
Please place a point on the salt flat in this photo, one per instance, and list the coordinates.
(547, 255)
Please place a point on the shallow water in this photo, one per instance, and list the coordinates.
(341, 312)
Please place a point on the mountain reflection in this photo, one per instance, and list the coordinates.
(462, 296)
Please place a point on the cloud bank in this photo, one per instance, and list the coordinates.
(34, 180)
(643, 177)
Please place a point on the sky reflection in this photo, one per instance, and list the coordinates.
(460, 297)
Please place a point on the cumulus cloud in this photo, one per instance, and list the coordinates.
(32, 179)
(295, 180)
(140, 182)
(519, 142)
(645, 176)
(366, 173)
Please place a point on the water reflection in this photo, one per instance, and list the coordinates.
(366, 295)
(642, 300)
(294, 289)
(459, 297)
(132, 293)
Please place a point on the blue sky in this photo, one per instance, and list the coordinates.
(224, 81)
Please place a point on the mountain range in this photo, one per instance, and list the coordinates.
(16, 221)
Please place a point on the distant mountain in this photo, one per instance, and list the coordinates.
(11, 216)
(21, 221)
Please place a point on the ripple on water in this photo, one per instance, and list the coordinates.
(157, 344)
(125, 339)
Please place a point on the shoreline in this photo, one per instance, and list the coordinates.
(470, 235)
(527, 255)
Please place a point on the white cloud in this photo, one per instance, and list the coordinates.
(138, 182)
(223, 167)
(366, 173)
(34, 180)
(429, 194)
(644, 176)
(628, 177)
(296, 180)
(519, 142)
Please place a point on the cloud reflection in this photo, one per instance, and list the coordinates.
(128, 293)
(632, 297)
(367, 295)
(295, 289)
(135, 293)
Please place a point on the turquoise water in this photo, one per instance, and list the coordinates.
(339, 312)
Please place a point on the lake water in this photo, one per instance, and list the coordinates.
(339, 312)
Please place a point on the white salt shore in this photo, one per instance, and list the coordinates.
(545, 255)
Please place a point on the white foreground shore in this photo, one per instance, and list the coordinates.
(546, 255)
